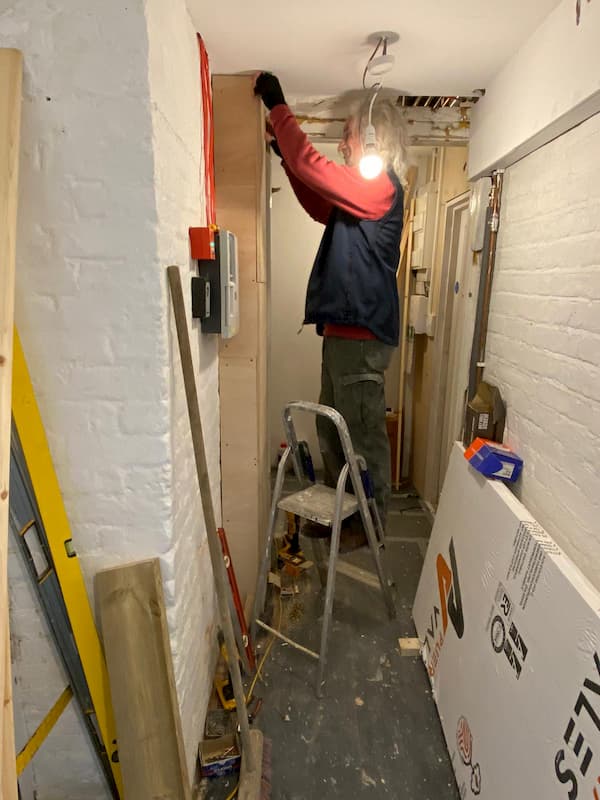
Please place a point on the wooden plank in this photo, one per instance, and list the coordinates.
(405, 298)
(403, 279)
(9, 763)
(11, 73)
(409, 646)
(251, 759)
(138, 653)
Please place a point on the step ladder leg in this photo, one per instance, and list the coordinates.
(263, 573)
(377, 548)
(329, 592)
(364, 490)
(379, 530)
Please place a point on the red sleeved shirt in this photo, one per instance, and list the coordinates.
(320, 183)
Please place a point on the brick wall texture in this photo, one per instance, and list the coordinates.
(111, 179)
(544, 335)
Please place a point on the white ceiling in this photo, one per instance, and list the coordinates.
(319, 48)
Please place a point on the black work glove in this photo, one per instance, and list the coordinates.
(269, 89)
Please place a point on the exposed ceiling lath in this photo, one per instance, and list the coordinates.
(439, 102)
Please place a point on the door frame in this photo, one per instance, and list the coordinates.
(462, 320)
(452, 215)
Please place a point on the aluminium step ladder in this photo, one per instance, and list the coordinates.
(328, 507)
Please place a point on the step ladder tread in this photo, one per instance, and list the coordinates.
(317, 503)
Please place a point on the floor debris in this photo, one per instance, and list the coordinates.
(366, 779)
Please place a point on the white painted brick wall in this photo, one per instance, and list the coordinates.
(178, 169)
(110, 181)
(66, 764)
(544, 335)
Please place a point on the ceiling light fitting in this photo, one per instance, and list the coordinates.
(382, 64)
(371, 163)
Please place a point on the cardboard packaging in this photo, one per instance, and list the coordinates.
(485, 415)
(219, 757)
(510, 633)
(494, 460)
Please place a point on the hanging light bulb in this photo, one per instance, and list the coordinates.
(371, 163)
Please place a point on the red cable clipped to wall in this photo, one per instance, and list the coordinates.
(202, 241)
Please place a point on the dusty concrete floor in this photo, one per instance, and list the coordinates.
(376, 732)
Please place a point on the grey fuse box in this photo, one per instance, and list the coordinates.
(215, 299)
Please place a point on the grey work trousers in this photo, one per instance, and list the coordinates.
(352, 382)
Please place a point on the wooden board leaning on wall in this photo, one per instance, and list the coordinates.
(11, 71)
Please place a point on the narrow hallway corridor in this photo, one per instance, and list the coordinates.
(376, 731)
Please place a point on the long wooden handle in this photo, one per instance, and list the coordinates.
(405, 299)
(11, 72)
(216, 557)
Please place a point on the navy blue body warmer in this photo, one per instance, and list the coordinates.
(353, 279)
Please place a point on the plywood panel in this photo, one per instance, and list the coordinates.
(11, 71)
(138, 654)
(236, 115)
(239, 465)
(238, 205)
(241, 190)
(239, 403)
(245, 343)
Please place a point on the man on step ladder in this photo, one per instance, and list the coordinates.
(352, 295)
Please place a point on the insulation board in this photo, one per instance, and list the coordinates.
(511, 641)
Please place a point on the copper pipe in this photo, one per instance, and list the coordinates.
(494, 204)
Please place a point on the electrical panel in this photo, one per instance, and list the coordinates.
(478, 209)
(215, 298)
(424, 230)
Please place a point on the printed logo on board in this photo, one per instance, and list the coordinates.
(449, 610)
(504, 633)
(464, 742)
(575, 765)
